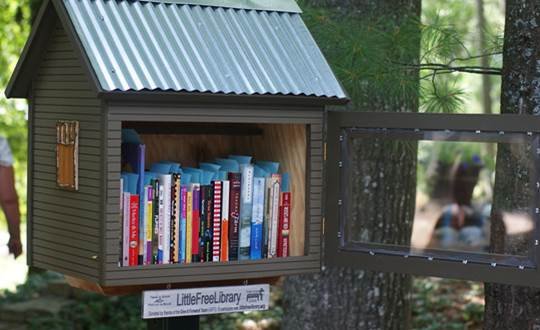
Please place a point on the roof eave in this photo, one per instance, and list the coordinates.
(19, 83)
(198, 97)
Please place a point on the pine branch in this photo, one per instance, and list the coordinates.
(439, 68)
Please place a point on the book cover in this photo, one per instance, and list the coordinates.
(133, 230)
(166, 181)
(189, 224)
(274, 215)
(257, 218)
(209, 215)
(284, 225)
(224, 241)
(246, 209)
(175, 216)
(155, 221)
(216, 222)
(267, 215)
(149, 219)
(142, 226)
(183, 223)
(161, 214)
(125, 230)
(195, 227)
(234, 214)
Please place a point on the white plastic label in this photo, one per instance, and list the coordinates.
(184, 302)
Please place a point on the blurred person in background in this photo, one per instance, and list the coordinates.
(9, 201)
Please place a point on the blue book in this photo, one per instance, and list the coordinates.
(256, 243)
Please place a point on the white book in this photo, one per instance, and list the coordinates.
(166, 181)
(142, 226)
(274, 215)
(125, 231)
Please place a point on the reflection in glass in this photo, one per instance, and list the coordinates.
(452, 196)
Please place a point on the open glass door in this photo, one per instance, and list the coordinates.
(421, 194)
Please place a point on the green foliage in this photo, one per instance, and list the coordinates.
(440, 304)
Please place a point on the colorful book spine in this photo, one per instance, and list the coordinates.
(267, 215)
(234, 214)
(224, 241)
(202, 222)
(133, 230)
(142, 225)
(257, 218)
(216, 220)
(284, 224)
(189, 224)
(196, 223)
(274, 221)
(161, 213)
(149, 218)
(155, 221)
(246, 208)
(175, 216)
(208, 235)
(183, 223)
(125, 231)
(167, 183)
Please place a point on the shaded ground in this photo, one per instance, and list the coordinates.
(46, 302)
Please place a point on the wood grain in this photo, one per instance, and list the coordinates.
(284, 143)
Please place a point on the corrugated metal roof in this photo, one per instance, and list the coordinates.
(273, 5)
(136, 46)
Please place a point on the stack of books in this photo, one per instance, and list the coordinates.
(227, 209)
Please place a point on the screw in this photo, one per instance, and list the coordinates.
(464, 262)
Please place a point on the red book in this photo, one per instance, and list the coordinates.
(196, 223)
(284, 225)
(133, 230)
(216, 220)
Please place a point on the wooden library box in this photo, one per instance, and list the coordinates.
(206, 83)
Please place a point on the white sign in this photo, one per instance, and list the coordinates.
(225, 299)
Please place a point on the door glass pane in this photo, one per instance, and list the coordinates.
(427, 192)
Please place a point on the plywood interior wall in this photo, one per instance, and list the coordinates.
(284, 143)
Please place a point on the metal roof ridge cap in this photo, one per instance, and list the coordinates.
(289, 6)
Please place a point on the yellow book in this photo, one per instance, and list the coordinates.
(148, 230)
(189, 222)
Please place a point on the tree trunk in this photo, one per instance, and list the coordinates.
(346, 298)
(513, 307)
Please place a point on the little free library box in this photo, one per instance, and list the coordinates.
(181, 142)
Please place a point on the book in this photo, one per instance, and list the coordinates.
(224, 240)
(284, 217)
(161, 220)
(195, 226)
(284, 225)
(275, 182)
(125, 230)
(256, 243)
(165, 226)
(133, 230)
(183, 224)
(209, 218)
(234, 214)
(175, 216)
(142, 226)
(155, 221)
(132, 160)
(216, 219)
(270, 168)
(149, 218)
(189, 223)
(246, 209)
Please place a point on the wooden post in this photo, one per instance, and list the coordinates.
(173, 323)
